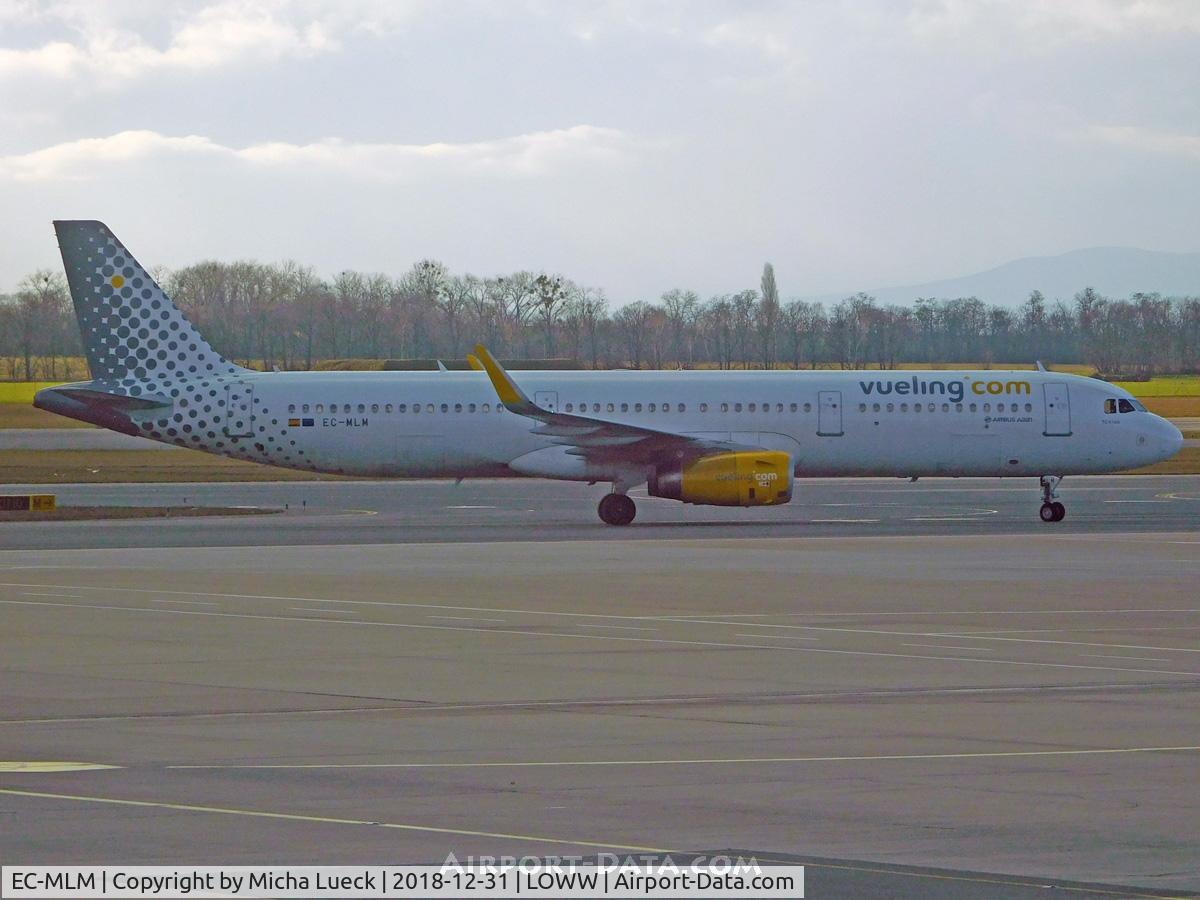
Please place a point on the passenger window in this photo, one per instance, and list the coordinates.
(703, 407)
(650, 407)
(945, 407)
(387, 408)
(750, 407)
(891, 407)
(611, 408)
(862, 407)
(487, 407)
(403, 407)
(778, 407)
(916, 407)
(305, 407)
(320, 407)
(595, 407)
(1028, 407)
(808, 407)
(958, 407)
(470, 407)
(362, 408)
(680, 408)
(445, 407)
(794, 407)
(416, 408)
(374, 407)
(428, 407)
(1124, 405)
(974, 408)
(624, 407)
(291, 407)
(737, 407)
(903, 407)
(570, 407)
(458, 407)
(345, 407)
(666, 407)
(987, 407)
(874, 407)
(724, 407)
(637, 407)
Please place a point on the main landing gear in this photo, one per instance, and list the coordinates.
(1052, 510)
(617, 509)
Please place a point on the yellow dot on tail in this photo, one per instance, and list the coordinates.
(117, 281)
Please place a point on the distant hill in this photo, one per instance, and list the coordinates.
(1112, 271)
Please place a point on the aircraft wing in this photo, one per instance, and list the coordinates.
(599, 440)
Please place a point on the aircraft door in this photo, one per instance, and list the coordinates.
(829, 413)
(546, 400)
(1058, 409)
(239, 410)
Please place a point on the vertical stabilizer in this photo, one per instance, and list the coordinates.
(136, 340)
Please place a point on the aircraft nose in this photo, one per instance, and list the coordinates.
(1171, 438)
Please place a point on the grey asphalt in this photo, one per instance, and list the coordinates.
(381, 512)
(935, 695)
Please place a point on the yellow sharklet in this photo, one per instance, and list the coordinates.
(474, 363)
(510, 395)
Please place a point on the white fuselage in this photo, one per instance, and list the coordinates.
(901, 423)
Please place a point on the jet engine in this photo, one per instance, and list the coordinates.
(743, 478)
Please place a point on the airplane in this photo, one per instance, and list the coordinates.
(717, 438)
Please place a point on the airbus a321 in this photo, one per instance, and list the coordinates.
(704, 437)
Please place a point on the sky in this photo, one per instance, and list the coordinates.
(634, 147)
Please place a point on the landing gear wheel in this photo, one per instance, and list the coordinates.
(1053, 512)
(617, 509)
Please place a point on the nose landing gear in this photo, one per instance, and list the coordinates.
(1052, 510)
(617, 509)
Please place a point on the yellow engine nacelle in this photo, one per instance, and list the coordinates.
(727, 479)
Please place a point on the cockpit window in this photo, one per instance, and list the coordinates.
(1138, 405)
(1110, 407)
(1124, 405)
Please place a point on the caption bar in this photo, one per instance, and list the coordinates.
(523, 878)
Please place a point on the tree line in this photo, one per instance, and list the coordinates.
(285, 315)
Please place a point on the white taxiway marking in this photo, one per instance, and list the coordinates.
(325, 820)
(462, 618)
(778, 637)
(189, 602)
(470, 507)
(60, 596)
(1145, 658)
(620, 627)
(599, 637)
(308, 609)
(952, 647)
(996, 754)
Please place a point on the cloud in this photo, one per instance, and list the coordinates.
(1147, 140)
(109, 49)
(1049, 23)
(522, 156)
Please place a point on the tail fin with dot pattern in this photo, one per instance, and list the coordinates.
(136, 340)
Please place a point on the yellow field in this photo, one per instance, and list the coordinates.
(1164, 386)
(22, 391)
